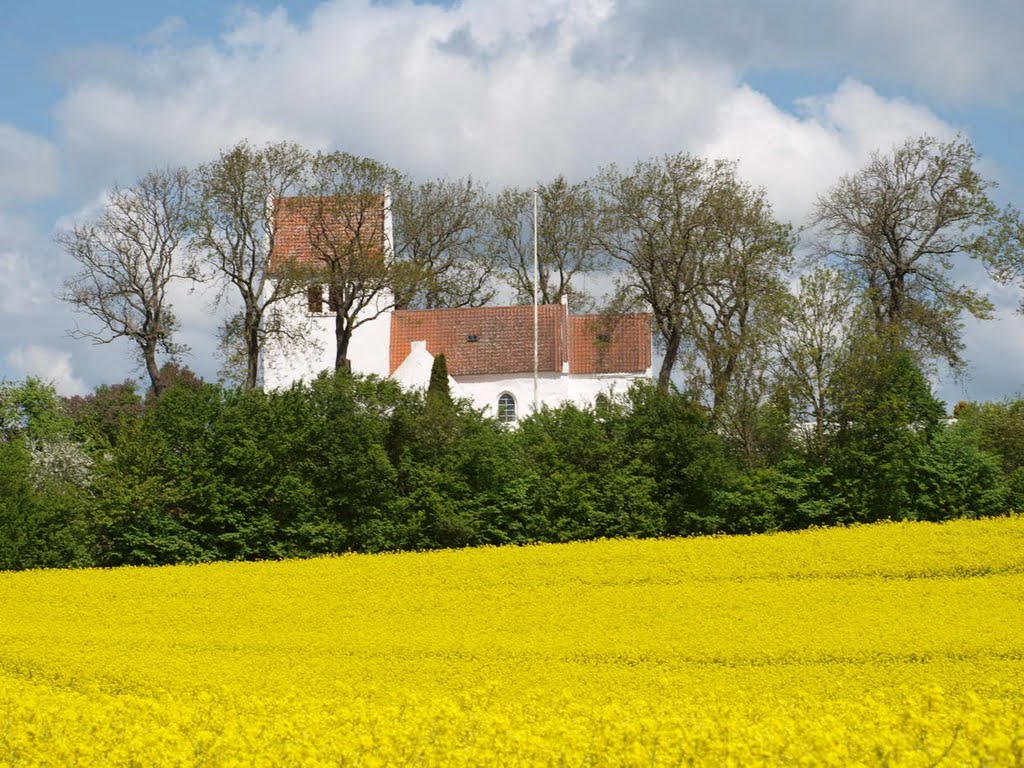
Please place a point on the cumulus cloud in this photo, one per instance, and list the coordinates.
(20, 287)
(28, 165)
(795, 157)
(48, 364)
(951, 50)
(504, 93)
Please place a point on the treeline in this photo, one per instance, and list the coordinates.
(345, 463)
(791, 392)
(681, 236)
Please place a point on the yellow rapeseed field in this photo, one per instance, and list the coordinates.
(897, 644)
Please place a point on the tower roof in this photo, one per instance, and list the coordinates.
(308, 228)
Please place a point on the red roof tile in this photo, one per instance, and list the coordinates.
(499, 340)
(616, 344)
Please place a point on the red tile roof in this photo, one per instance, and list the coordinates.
(615, 344)
(499, 340)
(294, 215)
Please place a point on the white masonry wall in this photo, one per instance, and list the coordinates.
(553, 389)
(368, 349)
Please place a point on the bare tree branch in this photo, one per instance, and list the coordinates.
(128, 256)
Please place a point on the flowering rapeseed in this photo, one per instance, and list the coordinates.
(897, 644)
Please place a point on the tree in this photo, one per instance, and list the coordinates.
(885, 416)
(45, 474)
(664, 224)
(896, 227)
(734, 314)
(108, 415)
(568, 246)
(1004, 247)
(442, 227)
(816, 330)
(234, 234)
(347, 212)
(32, 410)
(439, 394)
(128, 255)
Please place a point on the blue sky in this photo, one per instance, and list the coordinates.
(511, 91)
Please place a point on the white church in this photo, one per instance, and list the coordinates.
(489, 350)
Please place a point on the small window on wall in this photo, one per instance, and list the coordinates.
(506, 408)
(315, 297)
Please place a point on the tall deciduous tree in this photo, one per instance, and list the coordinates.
(1005, 246)
(662, 224)
(441, 228)
(817, 328)
(568, 246)
(129, 255)
(735, 313)
(234, 233)
(898, 225)
(347, 210)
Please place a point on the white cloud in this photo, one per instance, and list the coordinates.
(48, 364)
(797, 157)
(380, 80)
(495, 91)
(28, 165)
(952, 50)
(20, 288)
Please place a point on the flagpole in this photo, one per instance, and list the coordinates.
(536, 324)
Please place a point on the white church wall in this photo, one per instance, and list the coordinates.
(368, 348)
(553, 389)
(584, 389)
(484, 391)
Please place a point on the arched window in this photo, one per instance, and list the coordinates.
(506, 407)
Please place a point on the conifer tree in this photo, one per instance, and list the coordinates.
(439, 394)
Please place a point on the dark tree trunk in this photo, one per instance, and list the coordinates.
(342, 336)
(152, 369)
(669, 361)
(252, 353)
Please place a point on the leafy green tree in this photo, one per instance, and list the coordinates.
(349, 464)
(31, 409)
(897, 226)
(442, 228)
(234, 232)
(107, 415)
(816, 330)
(999, 428)
(45, 478)
(568, 245)
(17, 508)
(674, 436)
(955, 478)
(585, 484)
(885, 416)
